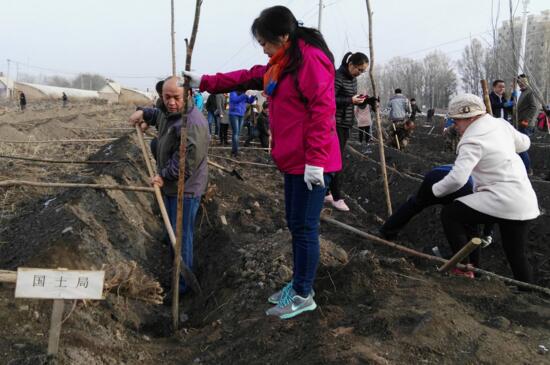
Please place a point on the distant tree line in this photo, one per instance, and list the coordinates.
(86, 81)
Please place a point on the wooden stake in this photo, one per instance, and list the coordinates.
(486, 98)
(412, 252)
(58, 161)
(55, 326)
(395, 135)
(243, 162)
(378, 122)
(460, 255)
(65, 141)
(188, 275)
(7, 276)
(173, 37)
(74, 185)
(181, 176)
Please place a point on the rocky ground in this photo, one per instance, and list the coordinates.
(375, 306)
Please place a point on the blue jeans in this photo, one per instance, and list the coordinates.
(213, 120)
(525, 155)
(303, 210)
(236, 124)
(190, 208)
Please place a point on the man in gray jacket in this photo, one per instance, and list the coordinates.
(399, 107)
(526, 113)
(169, 124)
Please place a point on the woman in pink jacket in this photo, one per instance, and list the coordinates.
(299, 83)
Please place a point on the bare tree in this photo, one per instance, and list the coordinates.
(430, 81)
(440, 80)
(88, 81)
(471, 67)
(57, 81)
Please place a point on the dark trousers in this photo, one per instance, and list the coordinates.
(336, 183)
(417, 203)
(303, 210)
(364, 133)
(213, 121)
(457, 215)
(525, 155)
(223, 133)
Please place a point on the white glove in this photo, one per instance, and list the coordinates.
(194, 79)
(313, 175)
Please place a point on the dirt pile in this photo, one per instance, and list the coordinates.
(375, 307)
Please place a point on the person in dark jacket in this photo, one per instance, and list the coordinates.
(237, 108)
(215, 106)
(398, 134)
(64, 99)
(169, 124)
(345, 87)
(430, 115)
(527, 112)
(259, 126)
(499, 105)
(414, 109)
(22, 101)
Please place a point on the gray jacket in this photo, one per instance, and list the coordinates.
(399, 107)
(527, 107)
(196, 158)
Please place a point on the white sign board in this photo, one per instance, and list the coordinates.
(59, 284)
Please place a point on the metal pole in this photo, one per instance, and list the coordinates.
(320, 15)
(521, 60)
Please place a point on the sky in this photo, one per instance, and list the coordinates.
(129, 40)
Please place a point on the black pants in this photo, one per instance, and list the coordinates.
(415, 204)
(336, 183)
(364, 134)
(457, 215)
(224, 127)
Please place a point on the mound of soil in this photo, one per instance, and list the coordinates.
(375, 307)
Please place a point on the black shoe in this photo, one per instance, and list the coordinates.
(387, 235)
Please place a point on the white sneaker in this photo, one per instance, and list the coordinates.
(329, 199)
(340, 205)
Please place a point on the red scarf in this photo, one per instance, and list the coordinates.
(277, 63)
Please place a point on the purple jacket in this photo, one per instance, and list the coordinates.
(237, 103)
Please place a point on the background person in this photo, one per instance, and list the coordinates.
(502, 194)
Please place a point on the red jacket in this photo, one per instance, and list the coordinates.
(303, 133)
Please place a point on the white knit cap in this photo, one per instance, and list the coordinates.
(466, 106)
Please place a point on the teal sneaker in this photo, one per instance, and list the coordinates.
(275, 297)
(291, 304)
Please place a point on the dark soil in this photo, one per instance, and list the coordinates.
(375, 306)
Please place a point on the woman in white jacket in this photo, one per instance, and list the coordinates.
(488, 151)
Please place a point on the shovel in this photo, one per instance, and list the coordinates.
(190, 278)
(230, 172)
